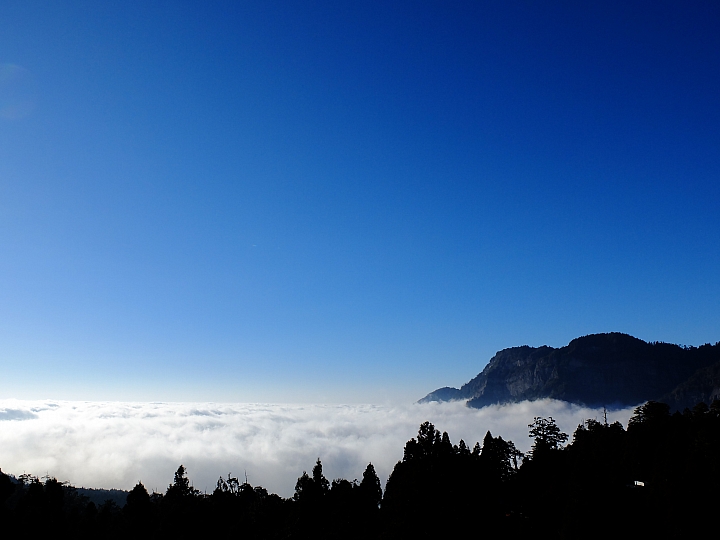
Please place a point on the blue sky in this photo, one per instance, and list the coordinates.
(347, 202)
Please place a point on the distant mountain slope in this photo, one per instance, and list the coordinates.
(100, 496)
(703, 385)
(601, 369)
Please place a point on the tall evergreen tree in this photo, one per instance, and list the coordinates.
(370, 487)
(321, 483)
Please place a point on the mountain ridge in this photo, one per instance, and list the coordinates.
(611, 369)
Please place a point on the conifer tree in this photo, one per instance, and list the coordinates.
(370, 486)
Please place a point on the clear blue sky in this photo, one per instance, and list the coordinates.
(347, 201)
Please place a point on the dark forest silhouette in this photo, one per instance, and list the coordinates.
(659, 478)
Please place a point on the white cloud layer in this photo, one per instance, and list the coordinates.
(111, 444)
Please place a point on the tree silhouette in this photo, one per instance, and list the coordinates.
(138, 508)
(370, 487)
(321, 483)
(181, 485)
(546, 434)
(310, 489)
(303, 487)
(138, 496)
(499, 457)
(651, 413)
(428, 440)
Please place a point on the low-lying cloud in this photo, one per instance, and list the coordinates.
(106, 444)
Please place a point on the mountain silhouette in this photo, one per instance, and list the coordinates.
(613, 370)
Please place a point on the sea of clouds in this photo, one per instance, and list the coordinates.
(117, 444)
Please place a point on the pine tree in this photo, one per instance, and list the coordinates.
(370, 487)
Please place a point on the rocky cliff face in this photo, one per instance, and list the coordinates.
(597, 370)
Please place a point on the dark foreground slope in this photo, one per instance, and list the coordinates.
(598, 370)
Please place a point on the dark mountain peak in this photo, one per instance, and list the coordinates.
(608, 340)
(446, 393)
(612, 369)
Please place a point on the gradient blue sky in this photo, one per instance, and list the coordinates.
(347, 202)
